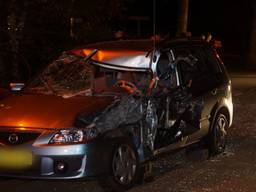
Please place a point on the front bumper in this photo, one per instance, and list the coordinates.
(80, 160)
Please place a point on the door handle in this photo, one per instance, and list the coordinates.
(214, 91)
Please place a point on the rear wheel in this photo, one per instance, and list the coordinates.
(124, 169)
(218, 135)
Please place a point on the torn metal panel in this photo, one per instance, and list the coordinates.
(191, 115)
(151, 124)
(125, 111)
(182, 116)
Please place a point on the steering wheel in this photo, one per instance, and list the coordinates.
(128, 86)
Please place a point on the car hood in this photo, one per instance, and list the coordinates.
(4, 93)
(47, 111)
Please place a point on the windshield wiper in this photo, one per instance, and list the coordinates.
(90, 55)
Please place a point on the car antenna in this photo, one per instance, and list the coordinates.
(154, 24)
(154, 29)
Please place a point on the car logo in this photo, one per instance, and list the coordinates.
(13, 138)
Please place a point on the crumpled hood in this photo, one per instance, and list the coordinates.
(47, 111)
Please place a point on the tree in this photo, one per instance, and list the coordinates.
(182, 17)
(39, 30)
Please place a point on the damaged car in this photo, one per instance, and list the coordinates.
(106, 110)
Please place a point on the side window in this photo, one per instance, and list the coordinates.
(216, 65)
(195, 73)
(212, 61)
(165, 71)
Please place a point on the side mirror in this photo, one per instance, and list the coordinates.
(16, 86)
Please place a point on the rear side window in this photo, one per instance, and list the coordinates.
(196, 70)
(216, 65)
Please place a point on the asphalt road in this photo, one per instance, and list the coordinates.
(234, 170)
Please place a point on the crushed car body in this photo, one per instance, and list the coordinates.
(104, 104)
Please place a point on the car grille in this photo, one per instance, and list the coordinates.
(17, 138)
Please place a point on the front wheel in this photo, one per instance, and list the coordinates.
(217, 140)
(124, 169)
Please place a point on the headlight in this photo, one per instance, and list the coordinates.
(68, 136)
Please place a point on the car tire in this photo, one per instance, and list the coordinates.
(217, 137)
(124, 169)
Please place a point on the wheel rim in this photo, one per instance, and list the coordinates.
(221, 133)
(124, 164)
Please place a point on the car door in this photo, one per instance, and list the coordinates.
(199, 78)
(167, 80)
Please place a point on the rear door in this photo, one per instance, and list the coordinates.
(202, 82)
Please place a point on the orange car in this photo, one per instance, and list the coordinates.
(107, 109)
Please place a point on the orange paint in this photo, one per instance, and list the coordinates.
(104, 55)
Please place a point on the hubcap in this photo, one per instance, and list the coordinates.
(124, 164)
(221, 133)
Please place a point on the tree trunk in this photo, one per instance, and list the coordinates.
(15, 21)
(182, 17)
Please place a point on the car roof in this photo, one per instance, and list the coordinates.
(183, 42)
(137, 44)
(128, 55)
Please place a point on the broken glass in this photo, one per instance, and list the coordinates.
(66, 76)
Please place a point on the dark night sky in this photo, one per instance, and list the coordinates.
(226, 19)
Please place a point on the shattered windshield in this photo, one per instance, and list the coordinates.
(70, 76)
(65, 76)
